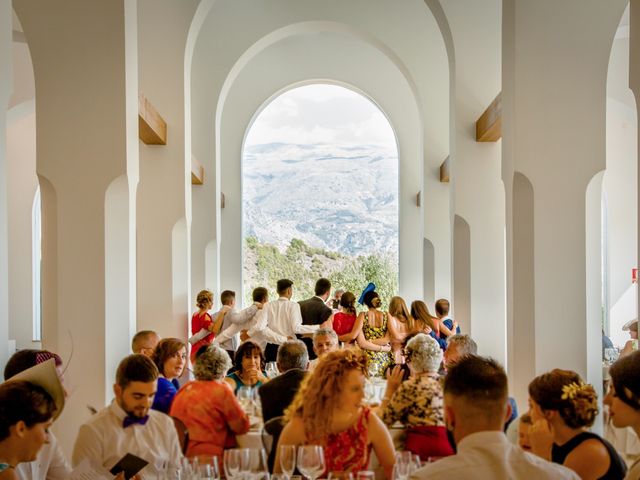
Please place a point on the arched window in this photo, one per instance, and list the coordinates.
(320, 193)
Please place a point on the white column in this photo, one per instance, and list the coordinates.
(5, 93)
(164, 195)
(634, 85)
(553, 120)
(84, 58)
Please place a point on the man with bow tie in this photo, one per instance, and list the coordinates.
(129, 425)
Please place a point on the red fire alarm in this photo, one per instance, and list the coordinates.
(634, 275)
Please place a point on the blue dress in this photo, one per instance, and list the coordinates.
(164, 395)
(236, 378)
(449, 324)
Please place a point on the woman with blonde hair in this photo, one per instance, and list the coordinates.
(328, 411)
(562, 408)
(201, 322)
(427, 323)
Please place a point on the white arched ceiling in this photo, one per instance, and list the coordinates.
(406, 32)
(318, 57)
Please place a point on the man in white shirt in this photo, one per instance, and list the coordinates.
(234, 321)
(283, 318)
(475, 409)
(128, 425)
(256, 324)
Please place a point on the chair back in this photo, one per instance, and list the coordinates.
(183, 434)
(270, 435)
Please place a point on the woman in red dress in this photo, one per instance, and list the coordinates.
(202, 320)
(345, 319)
(328, 411)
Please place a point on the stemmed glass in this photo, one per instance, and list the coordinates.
(208, 469)
(235, 461)
(245, 399)
(311, 461)
(340, 476)
(287, 459)
(258, 469)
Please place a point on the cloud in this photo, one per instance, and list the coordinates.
(321, 113)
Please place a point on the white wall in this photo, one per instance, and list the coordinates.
(476, 171)
(421, 54)
(21, 154)
(620, 190)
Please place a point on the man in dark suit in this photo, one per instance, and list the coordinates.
(314, 310)
(277, 393)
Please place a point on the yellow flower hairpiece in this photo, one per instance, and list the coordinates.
(570, 391)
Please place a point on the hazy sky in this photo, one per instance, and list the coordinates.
(321, 113)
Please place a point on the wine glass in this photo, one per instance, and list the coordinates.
(258, 469)
(208, 468)
(311, 461)
(256, 402)
(272, 370)
(369, 391)
(287, 459)
(233, 460)
(340, 476)
(365, 475)
(245, 399)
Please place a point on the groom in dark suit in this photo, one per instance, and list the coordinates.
(314, 310)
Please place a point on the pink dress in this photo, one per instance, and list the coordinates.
(349, 450)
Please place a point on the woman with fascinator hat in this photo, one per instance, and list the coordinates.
(562, 408)
(29, 403)
(623, 400)
(374, 337)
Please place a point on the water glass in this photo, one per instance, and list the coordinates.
(340, 476)
(287, 459)
(272, 370)
(404, 465)
(311, 461)
(365, 475)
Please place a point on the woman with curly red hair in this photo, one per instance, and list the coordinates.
(562, 408)
(328, 411)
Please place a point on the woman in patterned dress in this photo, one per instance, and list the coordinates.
(374, 338)
(418, 402)
(328, 411)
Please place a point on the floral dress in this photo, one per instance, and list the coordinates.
(377, 362)
(348, 451)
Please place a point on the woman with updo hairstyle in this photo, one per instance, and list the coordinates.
(328, 411)
(373, 337)
(562, 408)
(208, 408)
(344, 321)
(201, 322)
(623, 399)
(170, 356)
